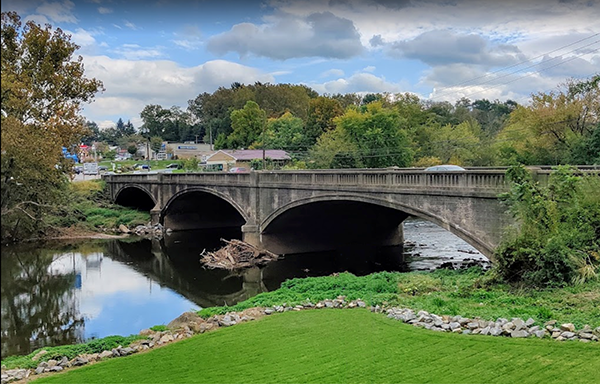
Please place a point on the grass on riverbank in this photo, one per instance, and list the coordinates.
(70, 351)
(444, 292)
(86, 208)
(345, 346)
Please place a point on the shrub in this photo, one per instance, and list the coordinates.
(557, 240)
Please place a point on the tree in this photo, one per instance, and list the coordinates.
(132, 149)
(321, 113)
(286, 132)
(43, 89)
(334, 149)
(154, 117)
(248, 124)
(551, 128)
(378, 135)
(93, 133)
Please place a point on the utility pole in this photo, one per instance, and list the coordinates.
(264, 163)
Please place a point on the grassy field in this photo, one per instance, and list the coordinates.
(345, 346)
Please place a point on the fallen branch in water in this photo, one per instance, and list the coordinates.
(236, 254)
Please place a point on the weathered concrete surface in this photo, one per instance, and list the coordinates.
(275, 209)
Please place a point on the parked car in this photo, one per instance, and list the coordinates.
(146, 166)
(102, 168)
(78, 169)
(444, 168)
(239, 170)
(173, 166)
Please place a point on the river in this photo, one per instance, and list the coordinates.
(72, 291)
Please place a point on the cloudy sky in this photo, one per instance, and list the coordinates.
(167, 52)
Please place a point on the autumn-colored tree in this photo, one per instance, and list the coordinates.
(550, 129)
(321, 112)
(43, 89)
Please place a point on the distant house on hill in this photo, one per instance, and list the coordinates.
(226, 159)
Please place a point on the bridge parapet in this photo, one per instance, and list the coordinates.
(417, 179)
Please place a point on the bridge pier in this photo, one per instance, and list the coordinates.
(155, 215)
(251, 235)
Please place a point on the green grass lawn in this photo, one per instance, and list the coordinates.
(345, 346)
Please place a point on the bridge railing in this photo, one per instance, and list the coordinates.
(418, 179)
(207, 177)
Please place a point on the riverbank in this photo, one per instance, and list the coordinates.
(351, 345)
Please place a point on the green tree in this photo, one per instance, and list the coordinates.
(456, 144)
(378, 135)
(132, 149)
(248, 124)
(286, 132)
(43, 89)
(334, 149)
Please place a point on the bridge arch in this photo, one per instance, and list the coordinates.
(230, 209)
(395, 205)
(131, 192)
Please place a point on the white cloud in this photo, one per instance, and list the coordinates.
(444, 47)
(130, 25)
(369, 68)
(358, 83)
(131, 85)
(104, 10)
(58, 11)
(284, 37)
(509, 21)
(83, 37)
(334, 72)
(136, 52)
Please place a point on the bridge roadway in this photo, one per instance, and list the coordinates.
(302, 211)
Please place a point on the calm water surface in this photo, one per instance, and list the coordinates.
(69, 292)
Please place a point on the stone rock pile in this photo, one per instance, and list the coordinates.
(151, 231)
(514, 327)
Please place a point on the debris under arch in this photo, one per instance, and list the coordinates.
(236, 254)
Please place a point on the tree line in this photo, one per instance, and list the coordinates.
(382, 129)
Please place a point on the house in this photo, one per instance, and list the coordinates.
(226, 159)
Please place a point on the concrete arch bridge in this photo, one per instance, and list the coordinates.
(305, 211)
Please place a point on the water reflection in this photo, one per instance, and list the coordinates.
(39, 304)
(70, 292)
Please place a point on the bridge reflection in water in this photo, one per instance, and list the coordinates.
(174, 262)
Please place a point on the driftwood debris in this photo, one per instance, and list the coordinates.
(236, 254)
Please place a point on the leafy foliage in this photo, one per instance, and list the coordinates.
(558, 238)
(43, 88)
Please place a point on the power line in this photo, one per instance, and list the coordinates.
(525, 61)
(449, 89)
(530, 74)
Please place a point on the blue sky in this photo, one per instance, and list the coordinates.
(167, 52)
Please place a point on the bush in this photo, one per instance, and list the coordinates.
(557, 241)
